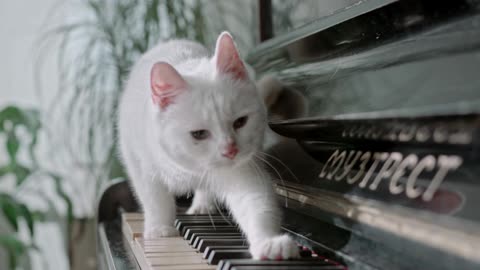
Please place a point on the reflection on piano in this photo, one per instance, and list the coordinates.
(384, 171)
(206, 241)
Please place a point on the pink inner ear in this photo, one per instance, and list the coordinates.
(227, 58)
(166, 83)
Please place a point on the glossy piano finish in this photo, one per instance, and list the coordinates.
(384, 170)
(207, 242)
(113, 250)
(377, 189)
(381, 56)
(425, 163)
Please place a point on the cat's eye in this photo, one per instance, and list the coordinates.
(240, 122)
(200, 134)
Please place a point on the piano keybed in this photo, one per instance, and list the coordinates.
(207, 242)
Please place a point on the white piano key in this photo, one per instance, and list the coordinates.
(171, 254)
(185, 267)
(163, 242)
(132, 229)
(167, 249)
(179, 260)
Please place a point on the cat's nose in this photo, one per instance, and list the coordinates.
(230, 151)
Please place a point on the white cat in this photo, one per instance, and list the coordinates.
(189, 121)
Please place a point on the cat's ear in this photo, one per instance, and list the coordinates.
(166, 83)
(227, 58)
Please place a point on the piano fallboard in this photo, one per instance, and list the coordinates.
(383, 171)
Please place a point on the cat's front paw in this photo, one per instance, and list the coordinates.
(159, 232)
(201, 209)
(280, 247)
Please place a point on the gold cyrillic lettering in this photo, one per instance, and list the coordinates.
(409, 162)
(387, 169)
(427, 163)
(377, 157)
(445, 164)
(329, 168)
(348, 164)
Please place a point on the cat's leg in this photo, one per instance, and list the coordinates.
(203, 203)
(252, 203)
(158, 207)
(157, 203)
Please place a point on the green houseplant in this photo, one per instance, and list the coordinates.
(12, 120)
(95, 54)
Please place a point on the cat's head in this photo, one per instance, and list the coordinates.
(210, 118)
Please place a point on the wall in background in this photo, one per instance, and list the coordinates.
(22, 24)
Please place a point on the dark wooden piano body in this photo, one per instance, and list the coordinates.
(384, 173)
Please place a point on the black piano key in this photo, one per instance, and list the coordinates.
(183, 217)
(229, 235)
(223, 229)
(182, 224)
(305, 253)
(177, 220)
(209, 249)
(203, 218)
(199, 217)
(204, 243)
(225, 254)
(208, 222)
(221, 264)
(313, 267)
(198, 236)
(195, 227)
(198, 240)
(180, 216)
(229, 264)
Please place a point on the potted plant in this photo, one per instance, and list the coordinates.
(14, 120)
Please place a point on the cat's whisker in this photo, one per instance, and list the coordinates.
(271, 166)
(154, 174)
(277, 172)
(220, 212)
(217, 206)
(202, 178)
(265, 180)
(258, 171)
(205, 176)
(281, 163)
(211, 219)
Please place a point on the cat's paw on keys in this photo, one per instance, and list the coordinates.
(201, 209)
(159, 232)
(276, 248)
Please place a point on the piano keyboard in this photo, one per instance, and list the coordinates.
(206, 242)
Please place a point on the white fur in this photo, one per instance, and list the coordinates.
(162, 158)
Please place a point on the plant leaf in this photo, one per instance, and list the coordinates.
(12, 114)
(21, 173)
(25, 212)
(39, 216)
(4, 170)
(14, 247)
(12, 146)
(59, 189)
(9, 209)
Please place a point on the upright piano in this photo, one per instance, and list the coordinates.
(384, 170)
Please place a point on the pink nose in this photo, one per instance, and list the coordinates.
(231, 151)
